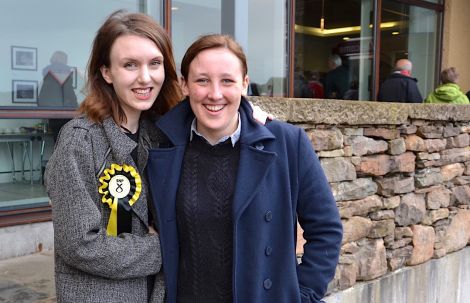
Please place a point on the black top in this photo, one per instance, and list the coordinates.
(337, 82)
(400, 88)
(204, 220)
(135, 138)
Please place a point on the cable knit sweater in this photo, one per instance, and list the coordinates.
(204, 219)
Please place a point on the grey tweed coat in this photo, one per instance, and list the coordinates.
(89, 265)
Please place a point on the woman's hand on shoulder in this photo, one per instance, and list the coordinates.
(260, 115)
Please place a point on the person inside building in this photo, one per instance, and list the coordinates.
(400, 86)
(105, 248)
(301, 88)
(315, 85)
(337, 78)
(57, 86)
(228, 192)
(449, 91)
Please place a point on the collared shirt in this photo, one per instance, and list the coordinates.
(233, 137)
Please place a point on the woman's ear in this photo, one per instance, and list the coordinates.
(106, 74)
(184, 86)
(246, 82)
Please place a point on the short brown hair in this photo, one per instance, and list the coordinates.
(209, 42)
(102, 101)
(449, 75)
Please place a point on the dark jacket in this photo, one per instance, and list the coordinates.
(279, 180)
(400, 88)
(337, 82)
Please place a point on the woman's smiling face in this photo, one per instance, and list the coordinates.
(136, 72)
(215, 85)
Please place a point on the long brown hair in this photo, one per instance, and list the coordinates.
(102, 101)
(209, 42)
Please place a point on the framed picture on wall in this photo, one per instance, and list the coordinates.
(24, 91)
(24, 58)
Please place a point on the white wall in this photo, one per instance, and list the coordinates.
(441, 280)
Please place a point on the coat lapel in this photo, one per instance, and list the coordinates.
(121, 148)
(164, 168)
(255, 161)
(254, 166)
(164, 165)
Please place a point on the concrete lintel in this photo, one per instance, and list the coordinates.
(334, 112)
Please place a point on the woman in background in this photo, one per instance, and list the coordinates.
(448, 92)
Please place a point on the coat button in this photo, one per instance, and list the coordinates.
(267, 284)
(259, 146)
(268, 216)
(268, 251)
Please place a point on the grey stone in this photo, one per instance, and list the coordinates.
(450, 131)
(382, 228)
(411, 209)
(326, 139)
(462, 194)
(338, 169)
(395, 185)
(362, 207)
(354, 190)
(397, 146)
(431, 131)
(428, 177)
(371, 259)
(356, 228)
(367, 146)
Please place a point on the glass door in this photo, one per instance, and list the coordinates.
(333, 49)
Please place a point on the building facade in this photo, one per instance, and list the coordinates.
(45, 47)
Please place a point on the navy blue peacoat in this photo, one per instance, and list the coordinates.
(279, 181)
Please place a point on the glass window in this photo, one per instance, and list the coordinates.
(44, 49)
(189, 20)
(263, 39)
(413, 34)
(333, 49)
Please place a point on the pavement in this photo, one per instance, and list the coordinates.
(28, 279)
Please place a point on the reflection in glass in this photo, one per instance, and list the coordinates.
(41, 30)
(58, 84)
(265, 42)
(333, 49)
(189, 20)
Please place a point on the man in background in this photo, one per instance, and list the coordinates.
(400, 86)
(337, 79)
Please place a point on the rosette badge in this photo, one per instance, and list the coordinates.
(120, 188)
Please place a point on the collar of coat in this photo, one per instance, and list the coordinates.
(398, 75)
(122, 146)
(176, 124)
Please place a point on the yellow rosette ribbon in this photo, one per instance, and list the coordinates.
(121, 186)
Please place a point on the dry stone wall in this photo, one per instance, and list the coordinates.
(400, 174)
